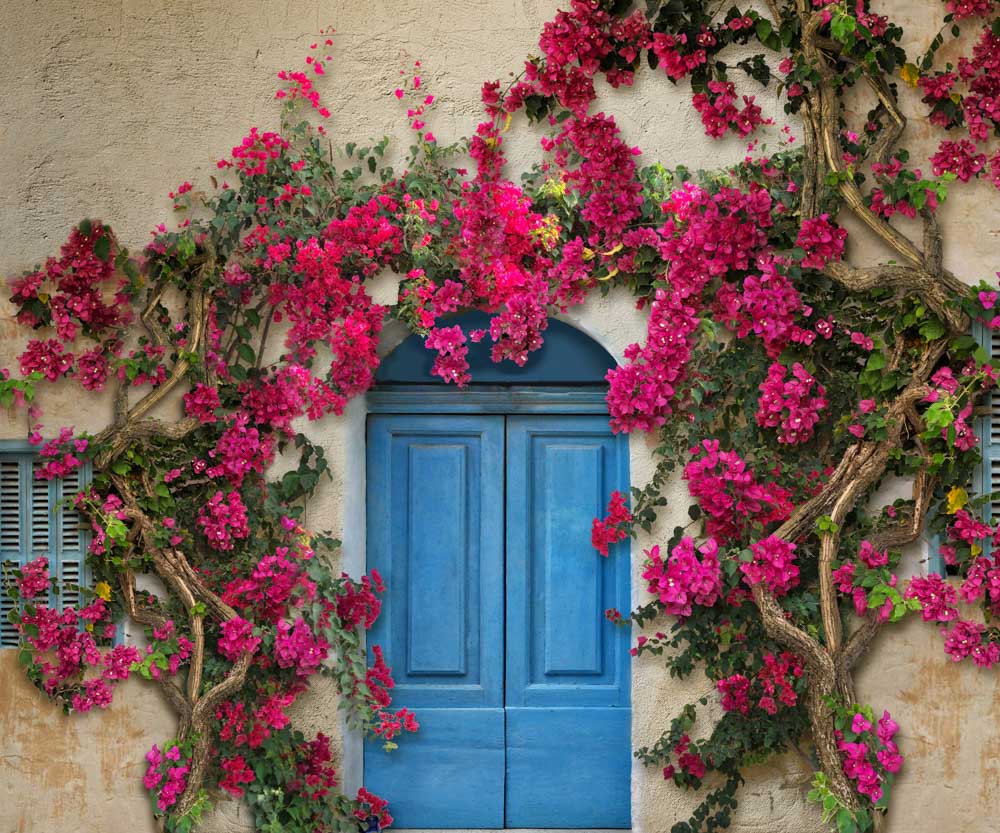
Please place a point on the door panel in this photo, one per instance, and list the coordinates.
(568, 767)
(435, 532)
(567, 680)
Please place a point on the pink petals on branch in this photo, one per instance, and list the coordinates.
(605, 533)
(684, 579)
(822, 241)
(773, 564)
(793, 405)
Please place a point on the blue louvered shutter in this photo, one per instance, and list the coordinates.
(987, 476)
(34, 521)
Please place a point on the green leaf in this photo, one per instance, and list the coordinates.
(845, 821)
(876, 361)
(246, 352)
(102, 248)
(932, 329)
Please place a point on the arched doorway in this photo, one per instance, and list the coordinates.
(479, 503)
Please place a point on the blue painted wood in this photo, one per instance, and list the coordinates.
(426, 399)
(435, 533)
(567, 669)
(568, 768)
(567, 356)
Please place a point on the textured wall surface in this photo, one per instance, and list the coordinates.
(107, 106)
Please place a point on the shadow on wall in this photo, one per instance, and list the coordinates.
(76, 773)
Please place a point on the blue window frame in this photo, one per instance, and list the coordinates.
(36, 519)
(986, 477)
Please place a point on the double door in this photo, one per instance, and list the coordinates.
(493, 620)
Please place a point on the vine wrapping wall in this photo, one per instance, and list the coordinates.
(112, 110)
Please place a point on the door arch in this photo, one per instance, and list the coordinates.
(479, 503)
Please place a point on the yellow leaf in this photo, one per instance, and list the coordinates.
(588, 254)
(103, 589)
(43, 297)
(976, 549)
(955, 97)
(615, 250)
(506, 122)
(957, 498)
(609, 276)
(910, 74)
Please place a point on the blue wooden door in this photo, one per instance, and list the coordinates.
(567, 679)
(435, 532)
(519, 684)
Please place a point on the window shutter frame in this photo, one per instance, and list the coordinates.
(986, 478)
(38, 510)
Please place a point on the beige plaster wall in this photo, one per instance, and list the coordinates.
(107, 106)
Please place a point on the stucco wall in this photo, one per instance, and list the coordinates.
(107, 106)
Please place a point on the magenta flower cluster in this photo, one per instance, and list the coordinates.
(64, 646)
(822, 241)
(775, 681)
(223, 520)
(869, 753)
(970, 639)
(277, 584)
(719, 112)
(296, 646)
(684, 579)
(728, 492)
(609, 531)
(773, 564)
(166, 775)
(707, 236)
(735, 693)
(34, 579)
(237, 638)
(78, 293)
(792, 405)
(937, 598)
(201, 402)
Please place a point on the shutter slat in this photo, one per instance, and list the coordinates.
(70, 526)
(41, 516)
(993, 418)
(8, 633)
(70, 573)
(10, 507)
